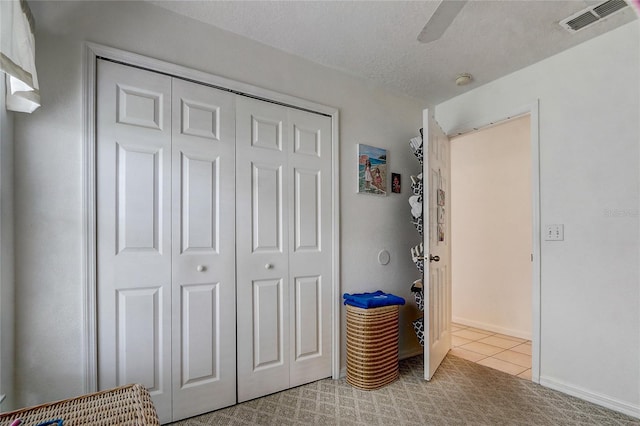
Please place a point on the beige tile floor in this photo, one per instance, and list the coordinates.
(505, 353)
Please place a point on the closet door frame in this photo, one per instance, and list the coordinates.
(91, 54)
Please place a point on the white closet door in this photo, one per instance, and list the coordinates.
(283, 164)
(309, 172)
(203, 271)
(262, 248)
(134, 231)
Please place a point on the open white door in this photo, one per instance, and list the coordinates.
(437, 271)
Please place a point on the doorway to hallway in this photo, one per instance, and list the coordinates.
(492, 250)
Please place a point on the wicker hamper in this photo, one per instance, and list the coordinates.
(372, 346)
(127, 405)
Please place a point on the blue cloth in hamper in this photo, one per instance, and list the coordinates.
(372, 300)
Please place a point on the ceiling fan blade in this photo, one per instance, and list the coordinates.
(444, 15)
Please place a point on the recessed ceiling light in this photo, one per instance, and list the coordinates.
(464, 78)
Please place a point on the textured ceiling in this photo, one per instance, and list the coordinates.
(376, 40)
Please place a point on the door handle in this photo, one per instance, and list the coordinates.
(434, 258)
(201, 268)
(268, 266)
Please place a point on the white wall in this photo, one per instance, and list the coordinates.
(491, 228)
(48, 164)
(6, 252)
(589, 181)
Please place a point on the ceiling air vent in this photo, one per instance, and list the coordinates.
(609, 7)
(588, 16)
(581, 21)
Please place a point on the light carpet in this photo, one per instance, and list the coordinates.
(460, 393)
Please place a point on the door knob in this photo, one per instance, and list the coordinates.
(200, 268)
(434, 258)
(268, 266)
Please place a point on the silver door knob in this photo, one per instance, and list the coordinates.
(268, 266)
(200, 268)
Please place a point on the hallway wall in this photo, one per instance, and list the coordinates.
(491, 228)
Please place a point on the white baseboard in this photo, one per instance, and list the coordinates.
(490, 327)
(599, 399)
(410, 353)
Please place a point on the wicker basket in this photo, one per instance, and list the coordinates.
(372, 346)
(126, 405)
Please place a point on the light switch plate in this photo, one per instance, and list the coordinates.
(554, 233)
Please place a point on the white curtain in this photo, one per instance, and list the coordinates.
(17, 55)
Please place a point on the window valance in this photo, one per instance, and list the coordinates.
(17, 55)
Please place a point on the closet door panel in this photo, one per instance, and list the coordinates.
(138, 169)
(139, 326)
(199, 333)
(134, 230)
(307, 210)
(308, 318)
(200, 225)
(310, 238)
(267, 324)
(203, 265)
(262, 246)
(266, 208)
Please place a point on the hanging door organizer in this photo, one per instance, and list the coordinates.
(417, 252)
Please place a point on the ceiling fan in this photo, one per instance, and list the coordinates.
(444, 15)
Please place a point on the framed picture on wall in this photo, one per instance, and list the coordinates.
(372, 170)
(396, 183)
